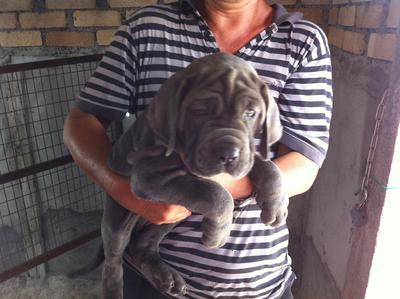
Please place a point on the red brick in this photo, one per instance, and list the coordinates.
(370, 16)
(97, 18)
(20, 39)
(8, 21)
(104, 37)
(393, 19)
(354, 42)
(130, 3)
(312, 14)
(347, 16)
(333, 16)
(16, 5)
(70, 39)
(283, 2)
(70, 4)
(42, 20)
(336, 36)
(382, 46)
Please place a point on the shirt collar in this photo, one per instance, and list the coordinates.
(281, 14)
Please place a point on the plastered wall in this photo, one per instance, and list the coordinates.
(333, 256)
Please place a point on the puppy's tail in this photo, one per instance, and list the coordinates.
(98, 259)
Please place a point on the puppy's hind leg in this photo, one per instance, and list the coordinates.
(145, 255)
(116, 228)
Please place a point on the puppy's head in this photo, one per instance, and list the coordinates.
(210, 112)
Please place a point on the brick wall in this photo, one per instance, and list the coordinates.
(366, 28)
(361, 27)
(61, 25)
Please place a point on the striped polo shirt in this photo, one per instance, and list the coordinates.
(293, 58)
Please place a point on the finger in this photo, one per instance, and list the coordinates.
(183, 215)
(177, 217)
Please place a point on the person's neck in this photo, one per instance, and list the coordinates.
(234, 23)
(230, 8)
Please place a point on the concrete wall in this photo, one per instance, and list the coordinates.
(374, 244)
(328, 229)
(333, 255)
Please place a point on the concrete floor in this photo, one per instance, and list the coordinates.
(54, 287)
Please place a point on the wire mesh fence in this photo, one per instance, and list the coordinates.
(45, 200)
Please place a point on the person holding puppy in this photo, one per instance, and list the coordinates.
(290, 54)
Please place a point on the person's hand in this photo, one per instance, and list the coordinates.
(159, 213)
(155, 212)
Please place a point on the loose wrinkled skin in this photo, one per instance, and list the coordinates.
(201, 124)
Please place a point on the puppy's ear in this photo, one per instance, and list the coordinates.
(272, 129)
(163, 113)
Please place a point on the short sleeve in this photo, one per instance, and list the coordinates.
(306, 102)
(109, 92)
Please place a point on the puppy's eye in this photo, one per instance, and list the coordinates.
(250, 113)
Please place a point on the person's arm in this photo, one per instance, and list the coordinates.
(85, 136)
(298, 174)
(298, 171)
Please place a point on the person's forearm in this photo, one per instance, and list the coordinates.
(240, 188)
(86, 139)
(90, 147)
(298, 172)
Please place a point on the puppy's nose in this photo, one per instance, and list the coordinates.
(227, 153)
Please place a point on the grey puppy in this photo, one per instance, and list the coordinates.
(201, 123)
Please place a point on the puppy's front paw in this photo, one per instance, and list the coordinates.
(274, 212)
(215, 234)
(271, 198)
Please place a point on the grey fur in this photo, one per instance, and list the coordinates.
(200, 124)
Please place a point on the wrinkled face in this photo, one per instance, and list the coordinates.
(218, 126)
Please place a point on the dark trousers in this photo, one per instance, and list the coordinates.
(136, 287)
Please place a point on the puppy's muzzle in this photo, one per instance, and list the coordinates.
(229, 152)
(226, 153)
